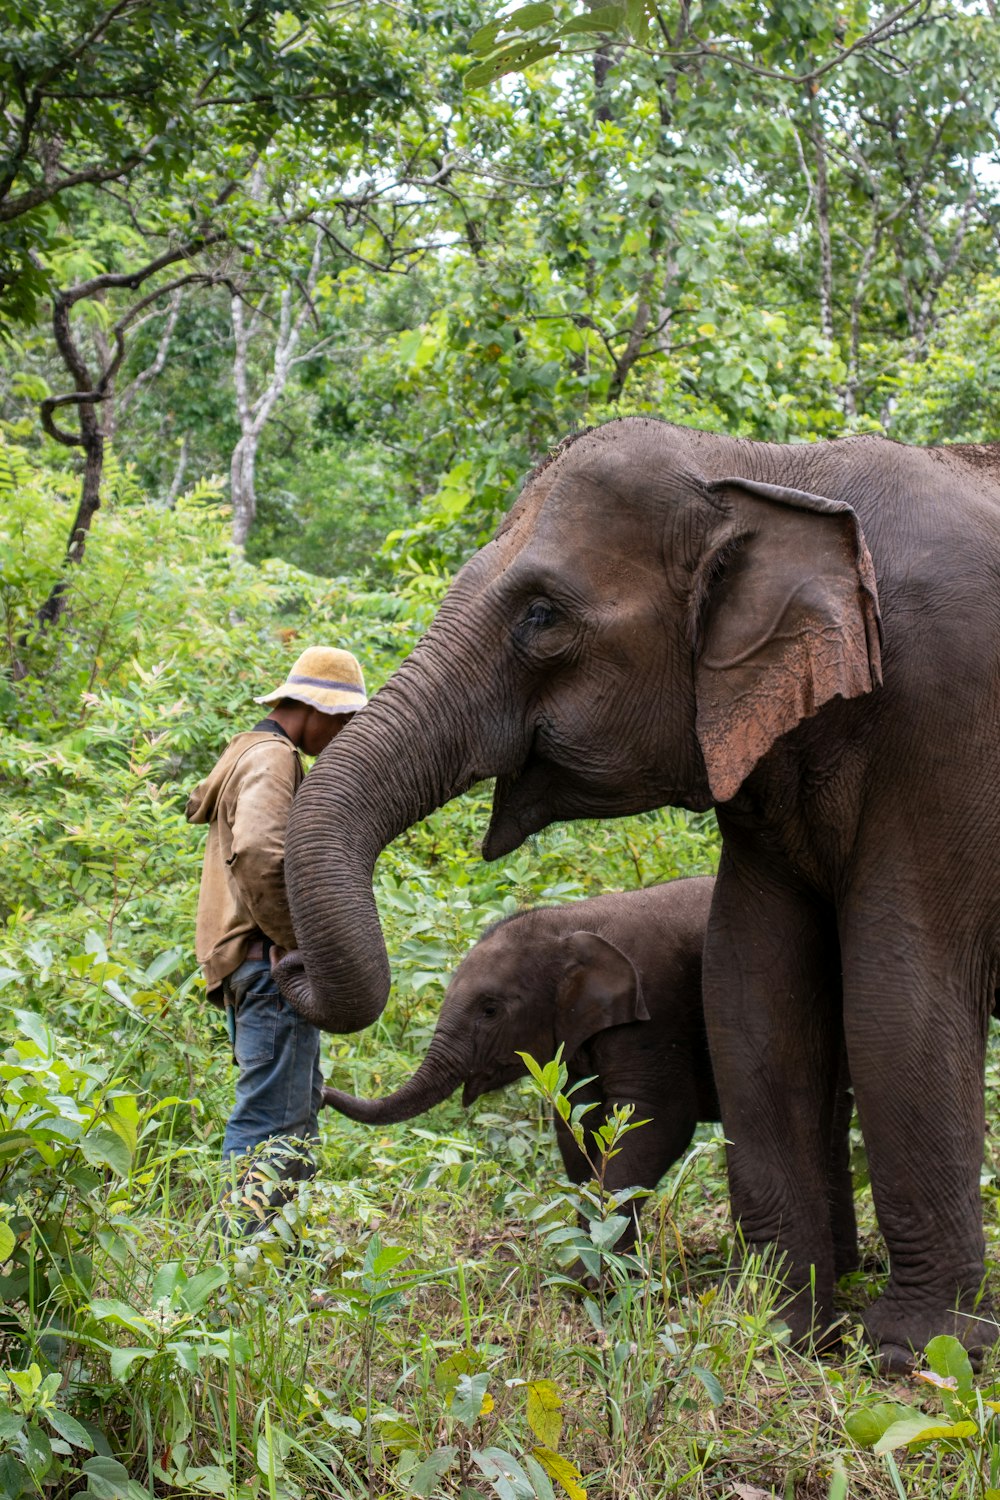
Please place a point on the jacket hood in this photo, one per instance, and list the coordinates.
(204, 799)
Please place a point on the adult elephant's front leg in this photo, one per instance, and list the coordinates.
(915, 1023)
(772, 1005)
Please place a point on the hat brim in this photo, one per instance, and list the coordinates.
(327, 700)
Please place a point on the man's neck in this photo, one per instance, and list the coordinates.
(271, 726)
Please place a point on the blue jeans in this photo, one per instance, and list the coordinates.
(279, 1085)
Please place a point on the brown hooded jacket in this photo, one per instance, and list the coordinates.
(245, 800)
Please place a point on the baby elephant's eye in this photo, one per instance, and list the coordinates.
(488, 1007)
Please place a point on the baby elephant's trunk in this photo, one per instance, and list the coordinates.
(434, 1080)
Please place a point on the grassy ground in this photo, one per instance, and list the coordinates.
(407, 1322)
(406, 1327)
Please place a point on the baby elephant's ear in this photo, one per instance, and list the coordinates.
(599, 988)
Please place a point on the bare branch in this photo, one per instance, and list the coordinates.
(159, 360)
(135, 279)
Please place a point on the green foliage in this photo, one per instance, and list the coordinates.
(150, 94)
(967, 1426)
(951, 394)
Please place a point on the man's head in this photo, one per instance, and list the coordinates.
(323, 690)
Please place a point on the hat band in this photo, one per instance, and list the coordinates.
(324, 682)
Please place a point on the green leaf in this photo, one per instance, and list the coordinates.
(711, 1383)
(527, 17)
(637, 20)
(504, 1473)
(70, 1429)
(274, 1453)
(605, 1233)
(482, 41)
(922, 1429)
(509, 60)
(532, 1066)
(163, 964)
(28, 1024)
(103, 1148)
(194, 1294)
(838, 1482)
(388, 1258)
(395, 1434)
(37, 1451)
(447, 1371)
(168, 1279)
(469, 1398)
(212, 1478)
(948, 1358)
(427, 1474)
(185, 1356)
(14, 1477)
(122, 1360)
(604, 21)
(11, 1423)
(867, 1424)
(8, 1239)
(108, 1479)
(111, 1310)
(342, 1422)
(539, 1478)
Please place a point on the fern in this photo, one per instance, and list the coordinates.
(16, 471)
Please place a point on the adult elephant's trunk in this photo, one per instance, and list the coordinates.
(404, 755)
(436, 1078)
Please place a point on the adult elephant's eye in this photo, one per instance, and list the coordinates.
(543, 632)
(488, 1007)
(538, 613)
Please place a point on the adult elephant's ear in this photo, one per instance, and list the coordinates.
(599, 988)
(785, 617)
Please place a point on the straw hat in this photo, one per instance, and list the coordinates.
(325, 678)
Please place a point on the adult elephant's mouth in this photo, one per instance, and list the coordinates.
(522, 805)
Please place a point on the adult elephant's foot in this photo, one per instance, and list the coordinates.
(899, 1331)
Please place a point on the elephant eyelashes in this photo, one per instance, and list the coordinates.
(540, 613)
(543, 633)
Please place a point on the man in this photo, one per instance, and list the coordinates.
(244, 926)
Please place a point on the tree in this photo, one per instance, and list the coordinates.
(125, 97)
(162, 110)
(845, 144)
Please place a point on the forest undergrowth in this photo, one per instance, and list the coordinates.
(407, 1326)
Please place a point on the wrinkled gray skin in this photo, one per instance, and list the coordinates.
(616, 980)
(669, 616)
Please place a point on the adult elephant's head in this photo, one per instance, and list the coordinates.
(639, 632)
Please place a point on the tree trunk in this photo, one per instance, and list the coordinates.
(253, 414)
(823, 228)
(242, 486)
(91, 440)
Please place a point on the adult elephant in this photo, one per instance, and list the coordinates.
(670, 616)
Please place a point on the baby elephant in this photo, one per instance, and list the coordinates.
(617, 980)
